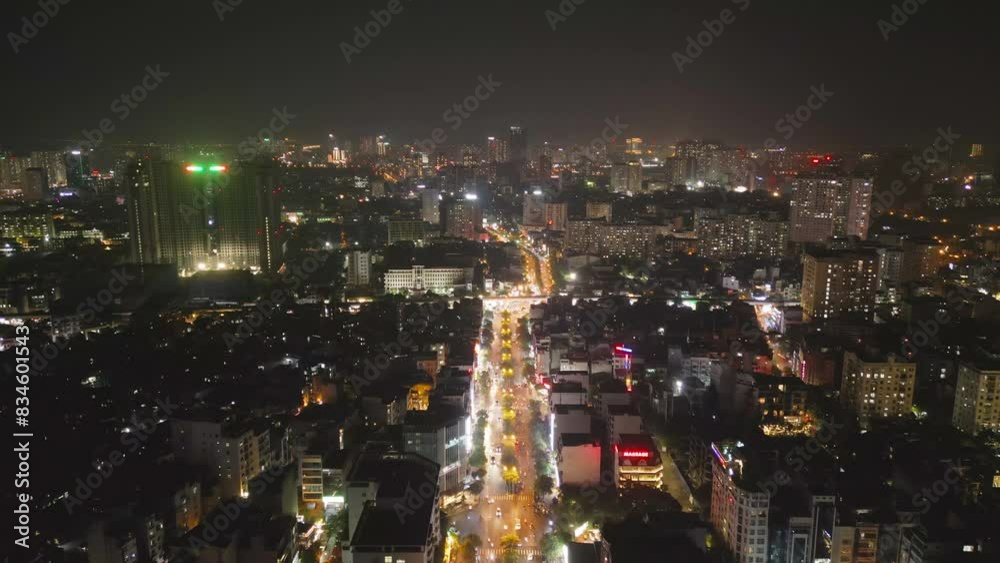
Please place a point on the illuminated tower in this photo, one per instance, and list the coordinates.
(249, 218)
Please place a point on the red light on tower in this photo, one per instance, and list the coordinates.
(815, 161)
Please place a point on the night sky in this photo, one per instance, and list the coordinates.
(609, 58)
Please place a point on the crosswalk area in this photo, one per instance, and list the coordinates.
(522, 553)
(524, 497)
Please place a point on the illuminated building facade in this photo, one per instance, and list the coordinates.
(877, 386)
(977, 398)
(824, 207)
(838, 283)
(739, 509)
(637, 462)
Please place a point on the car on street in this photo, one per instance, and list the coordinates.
(498, 512)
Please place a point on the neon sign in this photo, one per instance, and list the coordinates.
(635, 453)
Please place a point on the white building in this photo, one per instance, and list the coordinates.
(739, 510)
(977, 399)
(422, 278)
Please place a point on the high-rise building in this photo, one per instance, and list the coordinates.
(533, 209)
(248, 218)
(876, 385)
(734, 235)
(382, 145)
(518, 147)
(174, 210)
(179, 213)
(54, 163)
(977, 397)
(836, 283)
(626, 177)
(462, 218)
(430, 206)
(556, 215)
(824, 207)
(496, 150)
(35, 184)
(359, 268)
(976, 151)
(739, 508)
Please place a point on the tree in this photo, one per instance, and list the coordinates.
(544, 485)
(508, 544)
(476, 487)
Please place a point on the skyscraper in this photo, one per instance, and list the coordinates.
(824, 207)
(533, 211)
(518, 146)
(54, 163)
(626, 177)
(202, 216)
(248, 216)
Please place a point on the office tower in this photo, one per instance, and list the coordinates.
(54, 163)
(555, 216)
(407, 230)
(533, 212)
(977, 407)
(35, 184)
(633, 145)
(430, 206)
(976, 150)
(876, 385)
(599, 210)
(836, 283)
(248, 218)
(824, 207)
(518, 147)
(462, 218)
(359, 268)
(922, 259)
(382, 145)
(739, 507)
(77, 168)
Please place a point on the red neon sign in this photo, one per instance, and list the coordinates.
(635, 453)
